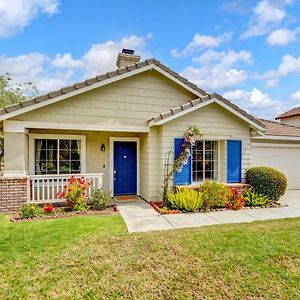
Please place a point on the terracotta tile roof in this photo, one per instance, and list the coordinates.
(275, 128)
(197, 102)
(96, 79)
(292, 112)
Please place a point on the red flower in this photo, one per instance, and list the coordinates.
(48, 208)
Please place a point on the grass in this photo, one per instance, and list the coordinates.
(94, 257)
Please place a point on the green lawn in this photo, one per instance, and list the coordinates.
(95, 258)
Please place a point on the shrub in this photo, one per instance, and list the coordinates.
(253, 198)
(186, 199)
(48, 209)
(98, 199)
(214, 194)
(235, 200)
(75, 193)
(31, 211)
(267, 181)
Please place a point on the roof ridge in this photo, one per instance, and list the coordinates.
(288, 113)
(176, 109)
(243, 112)
(187, 105)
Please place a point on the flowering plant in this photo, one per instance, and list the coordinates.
(190, 137)
(48, 209)
(235, 200)
(75, 193)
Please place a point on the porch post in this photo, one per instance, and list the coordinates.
(15, 151)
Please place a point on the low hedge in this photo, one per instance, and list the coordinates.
(267, 181)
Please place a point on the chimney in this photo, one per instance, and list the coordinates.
(126, 58)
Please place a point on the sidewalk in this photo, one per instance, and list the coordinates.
(139, 216)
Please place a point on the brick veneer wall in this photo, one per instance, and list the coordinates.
(14, 192)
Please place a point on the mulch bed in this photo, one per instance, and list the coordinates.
(110, 210)
(158, 206)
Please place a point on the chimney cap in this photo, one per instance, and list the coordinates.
(127, 51)
(126, 58)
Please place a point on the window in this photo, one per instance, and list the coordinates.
(57, 156)
(205, 160)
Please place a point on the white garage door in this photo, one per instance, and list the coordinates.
(285, 158)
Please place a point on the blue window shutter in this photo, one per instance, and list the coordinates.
(234, 161)
(185, 176)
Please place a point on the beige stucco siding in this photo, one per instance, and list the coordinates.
(216, 123)
(130, 101)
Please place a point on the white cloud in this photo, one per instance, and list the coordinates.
(49, 74)
(282, 37)
(17, 14)
(34, 67)
(256, 102)
(296, 96)
(288, 65)
(235, 6)
(66, 61)
(218, 69)
(102, 57)
(201, 42)
(266, 15)
(214, 77)
(272, 82)
(226, 58)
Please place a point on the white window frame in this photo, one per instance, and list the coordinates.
(219, 156)
(111, 160)
(33, 137)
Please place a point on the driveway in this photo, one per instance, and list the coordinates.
(139, 216)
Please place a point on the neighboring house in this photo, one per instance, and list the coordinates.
(117, 128)
(291, 117)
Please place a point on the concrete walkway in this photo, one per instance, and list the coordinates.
(139, 216)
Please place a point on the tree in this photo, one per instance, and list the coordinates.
(11, 93)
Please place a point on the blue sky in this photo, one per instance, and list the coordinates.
(248, 51)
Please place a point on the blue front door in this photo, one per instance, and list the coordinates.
(125, 168)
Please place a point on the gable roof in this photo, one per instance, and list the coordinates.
(278, 129)
(136, 68)
(203, 101)
(290, 113)
(95, 82)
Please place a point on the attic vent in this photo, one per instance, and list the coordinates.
(128, 51)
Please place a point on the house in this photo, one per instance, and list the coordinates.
(117, 128)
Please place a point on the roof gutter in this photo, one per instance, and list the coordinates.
(277, 137)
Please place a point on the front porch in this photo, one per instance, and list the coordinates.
(45, 188)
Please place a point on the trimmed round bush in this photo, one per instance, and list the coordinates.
(267, 181)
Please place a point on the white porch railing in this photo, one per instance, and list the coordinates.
(44, 188)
